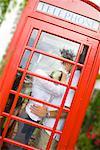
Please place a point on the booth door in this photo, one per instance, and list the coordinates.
(43, 47)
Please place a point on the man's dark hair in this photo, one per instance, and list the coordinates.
(68, 54)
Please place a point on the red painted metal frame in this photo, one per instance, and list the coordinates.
(35, 25)
(57, 27)
(69, 25)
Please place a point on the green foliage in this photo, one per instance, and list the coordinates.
(3, 7)
(84, 143)
(90, 139)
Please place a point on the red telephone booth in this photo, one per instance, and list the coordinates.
(46, 31)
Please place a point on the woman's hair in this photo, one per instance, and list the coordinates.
(56, 74)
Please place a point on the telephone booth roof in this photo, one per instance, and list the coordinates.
(87, 8)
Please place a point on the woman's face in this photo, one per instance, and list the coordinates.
(68, 66)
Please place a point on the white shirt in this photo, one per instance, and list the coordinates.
(49, 122)
(42, 89)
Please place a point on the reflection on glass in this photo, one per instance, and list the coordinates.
(17, 80)
(32, 37)
(83, 54)
(54, 44)
(24, 59)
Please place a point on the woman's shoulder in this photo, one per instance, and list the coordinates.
(41, 72)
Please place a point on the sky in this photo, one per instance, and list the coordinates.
(96, 2)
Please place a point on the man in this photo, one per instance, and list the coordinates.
(41, 89)
(49, 121)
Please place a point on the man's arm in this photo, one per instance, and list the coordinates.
(42, 111)
(53, 114)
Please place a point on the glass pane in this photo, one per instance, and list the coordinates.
(17, 80)
(54, 44)
(32, 37)
(2, 121)
(69, 98)
(22, 132)
(24, 59)
(83, 54)
(10, 102)
(42, 140)
(76, 77)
